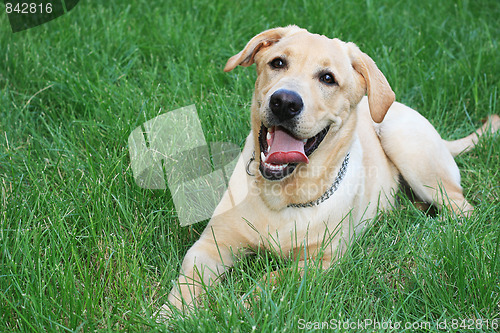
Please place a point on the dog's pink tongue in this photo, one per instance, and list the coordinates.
(286, 149)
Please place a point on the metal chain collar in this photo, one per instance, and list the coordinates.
(330, 191)
(326, 195)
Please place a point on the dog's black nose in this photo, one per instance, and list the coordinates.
(285, 104)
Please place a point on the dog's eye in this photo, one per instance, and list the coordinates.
(277, 63)
(328, 79)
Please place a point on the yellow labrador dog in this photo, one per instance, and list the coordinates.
(321, 158)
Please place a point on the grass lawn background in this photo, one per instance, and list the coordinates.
(83, 248)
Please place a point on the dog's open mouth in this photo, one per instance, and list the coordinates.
(281, 152)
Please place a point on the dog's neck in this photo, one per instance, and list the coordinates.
(330, 191)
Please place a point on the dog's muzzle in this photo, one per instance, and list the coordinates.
(280, 149)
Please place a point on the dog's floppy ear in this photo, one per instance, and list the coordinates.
(380, 94)
(264, 39)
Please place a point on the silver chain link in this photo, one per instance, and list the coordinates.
(330, 191)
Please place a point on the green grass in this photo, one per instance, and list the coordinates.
(83, 248)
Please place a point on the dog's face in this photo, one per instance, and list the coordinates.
(300, 96)
(306, 89)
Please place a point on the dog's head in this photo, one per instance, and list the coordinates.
(306, 91)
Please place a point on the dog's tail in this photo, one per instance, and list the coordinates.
(492, 124)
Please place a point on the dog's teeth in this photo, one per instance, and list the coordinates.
(276, 167)
(268, 137)
(262, 157)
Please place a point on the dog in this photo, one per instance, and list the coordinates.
(328, 148)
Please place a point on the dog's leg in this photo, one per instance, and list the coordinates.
(227, 233)
(422, 158)
(202, 266)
